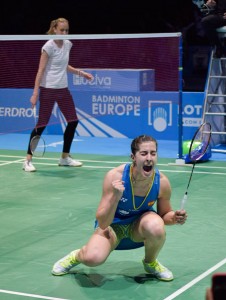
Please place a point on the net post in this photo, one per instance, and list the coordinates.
(180, 159)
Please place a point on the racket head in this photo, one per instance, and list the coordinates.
(200, 142)
(37, 146)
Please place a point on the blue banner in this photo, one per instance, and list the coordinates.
(108, 114)
(192, 113)
(129, 80)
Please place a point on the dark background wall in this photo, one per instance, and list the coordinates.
(99, 17)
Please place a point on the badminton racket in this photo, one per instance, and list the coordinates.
(198, 147)
(37, 143)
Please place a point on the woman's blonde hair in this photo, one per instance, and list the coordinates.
(54, 24)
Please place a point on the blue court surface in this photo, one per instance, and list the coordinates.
(94, 145)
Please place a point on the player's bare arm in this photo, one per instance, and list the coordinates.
(164, 208)
(79, 72)
(42, 65)
(113, 187)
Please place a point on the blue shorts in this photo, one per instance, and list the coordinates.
(123, 233)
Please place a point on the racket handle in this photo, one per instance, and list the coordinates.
(183, 201)
(34, 111)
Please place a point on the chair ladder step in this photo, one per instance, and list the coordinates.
(216, 95)
(217, 76)
(219, 132)
(215, 114)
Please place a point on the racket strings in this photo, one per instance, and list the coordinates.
(37, 146)
(200, 142)
(198, 148)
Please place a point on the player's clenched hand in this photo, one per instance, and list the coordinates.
(118, 186)
(33, 100)
(180, 216)
(88, 75)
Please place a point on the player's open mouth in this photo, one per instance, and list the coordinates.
(147, 168)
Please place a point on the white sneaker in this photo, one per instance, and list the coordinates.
(68, 161)
(28, 166)
(64, 265)
(158, 270)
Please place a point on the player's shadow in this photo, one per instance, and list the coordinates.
(97, 280)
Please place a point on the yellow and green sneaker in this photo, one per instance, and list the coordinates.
(63, 266)
(158, 270)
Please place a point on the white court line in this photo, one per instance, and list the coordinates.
(109, 167)
(196, 166)
(172, 296)
(114, 162)
(194, 281)
(31, 295)
(51, 158)
(11, 162)
(196, 172)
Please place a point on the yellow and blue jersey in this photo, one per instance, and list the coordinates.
(131, 207)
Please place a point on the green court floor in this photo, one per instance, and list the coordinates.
(46, 214)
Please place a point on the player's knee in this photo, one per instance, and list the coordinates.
(93, 257)
(73, 124)
(154, 229)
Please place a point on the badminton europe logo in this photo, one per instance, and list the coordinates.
(120, 105)
(160, 114)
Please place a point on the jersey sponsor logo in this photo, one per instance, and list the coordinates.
(151, 203)
(124, 199)
(123, 212)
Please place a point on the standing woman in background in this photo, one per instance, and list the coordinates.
(51, 85)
